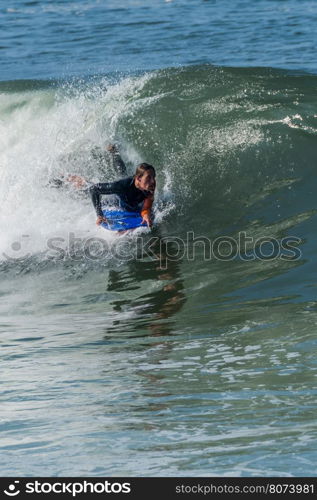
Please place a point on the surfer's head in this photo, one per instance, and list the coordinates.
(145, 177)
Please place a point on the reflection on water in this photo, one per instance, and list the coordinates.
(157, 307)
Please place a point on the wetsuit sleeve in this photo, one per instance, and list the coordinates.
(96, 190)
(147, 205)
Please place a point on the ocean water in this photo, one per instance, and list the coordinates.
(187, 350)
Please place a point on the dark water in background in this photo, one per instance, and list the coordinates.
(41, 39)
(129, 367)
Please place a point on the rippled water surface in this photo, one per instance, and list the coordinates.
(41, 39)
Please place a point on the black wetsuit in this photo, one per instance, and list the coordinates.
(130, 197)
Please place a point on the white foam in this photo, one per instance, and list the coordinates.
(36, 130)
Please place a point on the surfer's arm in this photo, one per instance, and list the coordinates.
(146, 210)
(96, 190)
(63, 180)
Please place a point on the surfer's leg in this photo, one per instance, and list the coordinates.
(118, 164)
(111, 153)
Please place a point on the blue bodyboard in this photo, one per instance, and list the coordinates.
(120, 220)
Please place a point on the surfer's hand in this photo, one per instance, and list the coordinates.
(77, 181)
(147, 220)
(100, 219)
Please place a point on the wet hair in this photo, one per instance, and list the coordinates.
(142, 168)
